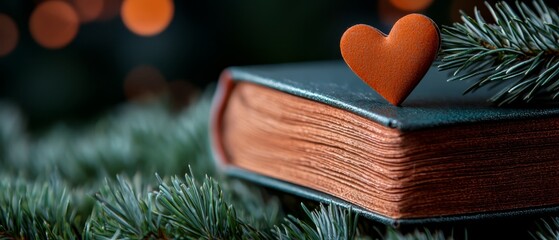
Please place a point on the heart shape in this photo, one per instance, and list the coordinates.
(392, 65)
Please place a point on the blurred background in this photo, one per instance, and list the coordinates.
(72, 60)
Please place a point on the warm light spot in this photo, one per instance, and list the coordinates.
(411, 5)
(111, 9)
(147, 17)
(182, 93)
(9, 35)
(54, 24)
(144, 82)
(89, 10)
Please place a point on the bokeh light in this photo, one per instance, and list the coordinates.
(54, 24)
(147, 17)
(182, 93)
(411, 5)
(89, 10)
(9, 35)
(144, 82)
(111, 9)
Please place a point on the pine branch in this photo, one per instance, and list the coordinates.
(179, 209)
(547, 229)
(520, 50)
(201, 212)
(122, 213)
(251, 205)
(36, 211)
(325, 223)
(185, 208)
(133, 138)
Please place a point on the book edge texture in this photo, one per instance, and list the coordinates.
(325, 198)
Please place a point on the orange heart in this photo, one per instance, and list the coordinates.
(392, 65)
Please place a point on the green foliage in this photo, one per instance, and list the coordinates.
(122, 212)
(177, 209)
(251, 205)
(185, 208)
(136, 139)
(520, 51)
(547, 229)
(36, 211)
(201, 212)
(326, 223)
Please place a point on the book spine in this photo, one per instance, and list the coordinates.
(219, 104)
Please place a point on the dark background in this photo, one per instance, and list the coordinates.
(86, 78)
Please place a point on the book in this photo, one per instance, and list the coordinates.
(317, 131)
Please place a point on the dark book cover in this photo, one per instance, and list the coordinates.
(434, 104)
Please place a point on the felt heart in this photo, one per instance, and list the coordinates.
(392, 65)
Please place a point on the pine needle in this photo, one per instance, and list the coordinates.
(547, 229)
(325, 223)
(36, 210)
(519, 50)
(124, 212)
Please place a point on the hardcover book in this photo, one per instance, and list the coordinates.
(316, 130)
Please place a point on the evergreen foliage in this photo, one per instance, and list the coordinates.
(519, 51)
(547, 229)
(61, 185)
(326, 223)
(36, 211)
(122, 212)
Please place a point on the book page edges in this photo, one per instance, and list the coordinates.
(219, 104)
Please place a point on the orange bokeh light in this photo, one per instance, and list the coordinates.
(147, 17)
(54, 24)
(89, 10)
(9, 35)
(411, 5)
(111, 9)
(144, 82)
